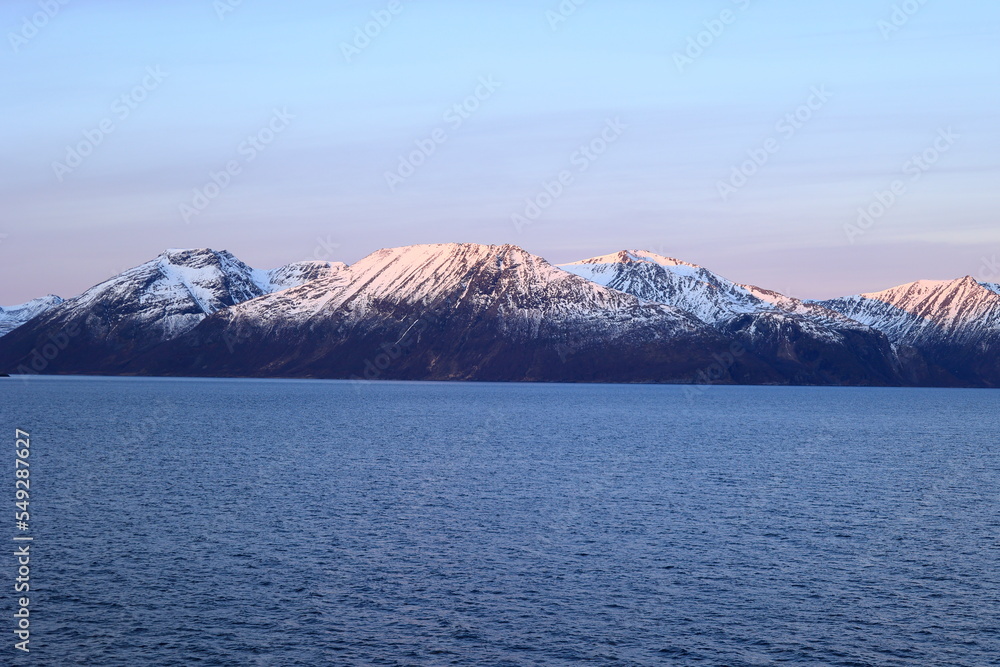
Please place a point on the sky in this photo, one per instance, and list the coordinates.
(817, 149)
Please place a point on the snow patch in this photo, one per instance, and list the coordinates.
(12, 317)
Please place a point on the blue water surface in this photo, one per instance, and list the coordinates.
(256, 522)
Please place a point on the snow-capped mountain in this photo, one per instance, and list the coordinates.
(451, 311)
(150, 303)
(660, 279)
(962, 311)
(11, 317)
(808, 309)
(478, 312)
(503, 278)
(953, 324)
(293, 275)
(707, 295)
(172, 293)
(806, 342)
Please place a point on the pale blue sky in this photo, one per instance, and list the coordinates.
(321, 181)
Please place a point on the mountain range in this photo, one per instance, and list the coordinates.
(464, 311)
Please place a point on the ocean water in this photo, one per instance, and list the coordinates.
(232, 522)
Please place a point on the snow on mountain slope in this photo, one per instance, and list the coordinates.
(12, 317)
(805, 342)
(141, 308)
(173, 292)
(660, 279)
(469, 311)
(707, 295)
(503, 278)
(454, 311)
(808, 309)
(293, 275)
(959, 311)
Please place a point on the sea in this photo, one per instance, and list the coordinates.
(285, 522)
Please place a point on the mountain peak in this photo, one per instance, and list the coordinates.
(185, 254)
(424, 272)
(173, 292)
(634, 257)
(922, 288)
(658, 279)
(468, 249)
(12, 317)
(961, 309)
(296, 274)
(970, 282)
